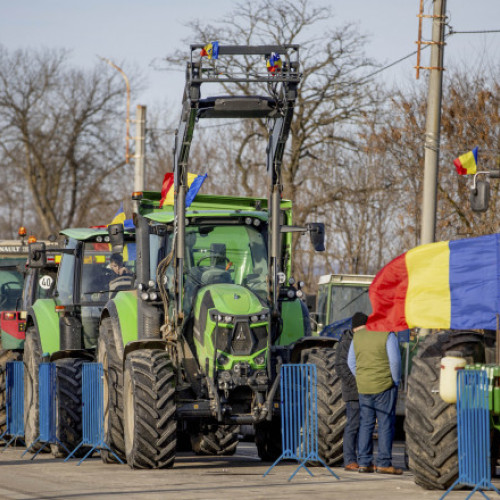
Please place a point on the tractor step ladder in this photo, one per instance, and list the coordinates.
(92, 411)
(47, 380)
(14, 402)
(299, 416)
(473, 427)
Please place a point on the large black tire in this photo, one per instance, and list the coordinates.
(32, 358)
(331, 408)
(5, 357)
(149, 410)
(268, 440)
(430, 423)
(107, 354)
(216, 440)
(68, 406)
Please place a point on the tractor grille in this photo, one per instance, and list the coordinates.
(242, 339)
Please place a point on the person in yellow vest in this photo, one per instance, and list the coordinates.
(375, 361)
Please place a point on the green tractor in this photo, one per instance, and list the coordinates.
(196, 351)
(63, 328)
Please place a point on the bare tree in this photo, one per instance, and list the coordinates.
(333, 99)
(60, 133)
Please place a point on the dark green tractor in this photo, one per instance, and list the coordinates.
(196, 351)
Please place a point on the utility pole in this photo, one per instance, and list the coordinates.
(433, 124)
(140, 134)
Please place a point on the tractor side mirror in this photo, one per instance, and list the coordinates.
(480, 196)
(116, 237)
(37, 257)
(317, 235)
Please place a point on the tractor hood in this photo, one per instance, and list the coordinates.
(230, 299)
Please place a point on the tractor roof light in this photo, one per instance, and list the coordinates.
(22, 231)
(137, 195)
(32, 239)
(60, 309)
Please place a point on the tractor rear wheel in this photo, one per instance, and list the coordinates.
(112, 392)
(32, 359)
(68, 406)
(216, 440)
(430, 423)
(5, 357)
(331, 408)
(149, 409)
(268, 440)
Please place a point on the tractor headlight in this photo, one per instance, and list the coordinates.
(219, 318)
(151, 284)
(228, 319)
(99, 239)
(153, 296)
(263, 317)
(256, 222)
(260, 360)
(290, 294)
(248, 220)
(254, 318)
(144, 295)
(299, 293)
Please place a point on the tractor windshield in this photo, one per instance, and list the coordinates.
(225, 253)
(11, 282)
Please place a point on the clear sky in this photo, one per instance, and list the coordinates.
(137, 32)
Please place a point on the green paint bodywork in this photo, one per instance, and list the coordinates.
(225, 301)
(126, 306)
(293, 322)
(47, 322)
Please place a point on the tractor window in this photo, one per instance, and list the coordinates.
(11, 283)
(225, 254)
(346, 300)
(322, 303)
(106, 272)
(66, 275)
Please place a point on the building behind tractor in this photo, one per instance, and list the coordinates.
(196, 350)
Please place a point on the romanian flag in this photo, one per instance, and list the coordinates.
(211, 50)
(274, 63)
(449, 284)
(467, 163)
(194, 182)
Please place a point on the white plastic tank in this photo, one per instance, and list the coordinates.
(450, 364)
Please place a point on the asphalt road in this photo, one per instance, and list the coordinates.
(200, 478)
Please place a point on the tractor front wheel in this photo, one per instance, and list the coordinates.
(268, 440)
(149, 410)
(32, 359)
(430, 423)
(331, 408)
(112, 392)
(216, 440)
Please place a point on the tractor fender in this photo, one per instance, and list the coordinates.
(42, 314)
(307, 343)
(122, 310)
(144, 344)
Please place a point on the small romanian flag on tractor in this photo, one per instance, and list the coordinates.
(466, 164)
(194, 183)
(449, 284)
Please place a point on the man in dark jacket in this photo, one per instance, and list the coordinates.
(349, 394)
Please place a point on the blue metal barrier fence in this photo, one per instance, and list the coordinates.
(47, 380)
(92, 411)
(14, 401)
(299, 416)
(473, 428)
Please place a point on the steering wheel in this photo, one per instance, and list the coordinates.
(228, 262)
